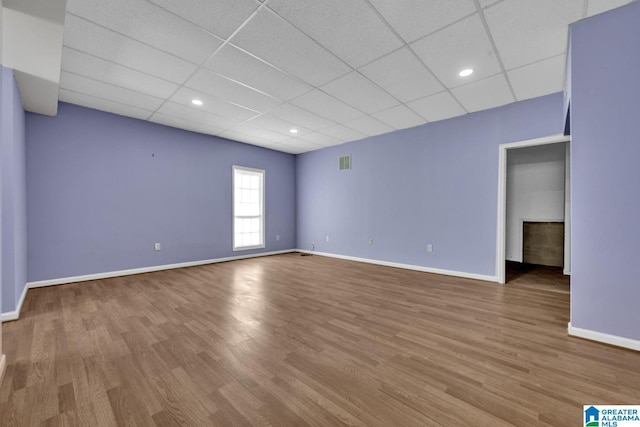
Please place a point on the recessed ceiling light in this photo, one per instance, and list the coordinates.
(293, 130)
(196, 102)
(466, 72)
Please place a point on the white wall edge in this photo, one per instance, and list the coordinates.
(604, 338)
(566, 272)
(423, 269)
(15, 314)
(3, 365)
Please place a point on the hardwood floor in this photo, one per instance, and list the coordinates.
(290, 340)
(537, 277)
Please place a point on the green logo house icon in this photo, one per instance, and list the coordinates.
(591, 417)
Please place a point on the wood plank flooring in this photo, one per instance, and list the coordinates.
(293, 341)
(537, 277)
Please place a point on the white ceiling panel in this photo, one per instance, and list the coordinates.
(251, 71)
(343, 133)
(301, 117)
(325, 105)
(278, 125)
(103, 104)
(176, 122)
(273, 39)
(413, 19)
(437, 107)
(459, 46)
(400, 117)
(527, 31)
(359, 92)
(260, 133)
(369, 126)
(483, 94)
(297, 146)
(150, 24)
(487, 3)
(220, 17)
(109, 72)
(81, 84)
(402, 75)
(350, 29)
(90, 38)
(194, 114)
(320, 139)
(599, 6)
(541, 78)
(208, 82)
(213, 105)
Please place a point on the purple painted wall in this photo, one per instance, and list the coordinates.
(605, 289)
(102, 189)
(433, 184)
(13, 219)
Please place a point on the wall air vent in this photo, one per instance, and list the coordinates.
(345, 162)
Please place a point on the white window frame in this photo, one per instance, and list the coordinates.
(262, 174)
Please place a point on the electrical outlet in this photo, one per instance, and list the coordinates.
(313, 246)
(277, 237)
(429, 247)
(157, 246)
(326, 237)
(371, 240)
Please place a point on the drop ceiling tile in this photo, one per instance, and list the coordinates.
(258, 134)
(483, 94)
(109, 72)
(213, 105)
(80, 84)
(251, 71)
(324, 105)
(150, 24)
(176, 122)
(90, 38)
(356, 90)
(343, 133)
(541, 78)
(527, 31)
(278, 125)
(599, 6)
(208, 82)
(321, 139)
(368, 125)
(400, 117)
(402, 75)
(296, 146)
(437, 107)
(194, 114)
(350, 29)
(301, 117)
(413, 19)
(220, 17)
(103, 104)
(462, 45)
(271, 38)
(487, 3)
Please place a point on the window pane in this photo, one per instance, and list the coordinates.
(248, 193)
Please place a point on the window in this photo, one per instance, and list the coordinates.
(248, 208)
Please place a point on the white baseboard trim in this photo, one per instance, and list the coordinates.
(15, 314)
(462, 274)
(566, 272)
(604, 338)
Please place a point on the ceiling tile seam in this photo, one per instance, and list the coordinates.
(108, 100)
(585, 8)
(241, 84)
(218, 49)
(537, 61)
(182, 18)
(495, 48)
(222, 128)
(116, 63)
(110, 84)
(111, 30)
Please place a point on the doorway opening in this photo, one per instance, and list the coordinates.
(534, 222)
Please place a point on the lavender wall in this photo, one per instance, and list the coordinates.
(13, 184)
(605, 289)
(102, 189)
(433, 184)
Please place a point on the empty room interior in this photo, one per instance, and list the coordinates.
(297, 212)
